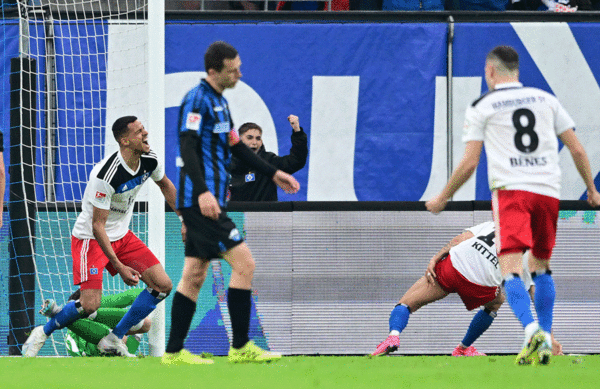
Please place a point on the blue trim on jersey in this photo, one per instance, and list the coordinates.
(223, 174)
(213, 149)
(131, 184)
(188, 192)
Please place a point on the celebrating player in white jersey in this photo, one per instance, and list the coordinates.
(468, 266)
(102, 239)
(519, 126)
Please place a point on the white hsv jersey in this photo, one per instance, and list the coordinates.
(475, 258)
(519, 128)
(113, 186)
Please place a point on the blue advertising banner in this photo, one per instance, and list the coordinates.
(561, 58)
(383, 136)
(371, 97)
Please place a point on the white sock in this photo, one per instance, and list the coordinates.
(530, 329)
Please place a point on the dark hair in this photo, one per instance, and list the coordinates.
(506, 55)
(76, 295)
(216, 54)
(248, 126)
(119, 128)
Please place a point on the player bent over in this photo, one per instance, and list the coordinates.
(101, 239)
(468, 266)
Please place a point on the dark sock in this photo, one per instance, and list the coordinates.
(71, 312)
(182, 313)
(239, 304)
(480, 323)
(399, 317)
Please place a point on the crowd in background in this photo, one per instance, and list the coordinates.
(388, 5)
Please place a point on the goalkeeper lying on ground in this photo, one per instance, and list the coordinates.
(83, 335)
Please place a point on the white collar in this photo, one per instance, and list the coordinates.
(132, 172)
(504, 85)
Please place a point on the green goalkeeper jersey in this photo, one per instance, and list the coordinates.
(79, 347)
(108, 315)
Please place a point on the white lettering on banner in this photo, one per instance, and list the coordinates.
(568, 74)
(332, 138)
(465, 91)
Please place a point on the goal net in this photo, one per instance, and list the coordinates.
(76, 66)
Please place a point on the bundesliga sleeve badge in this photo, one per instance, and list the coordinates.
(100, 197)
(193, 121)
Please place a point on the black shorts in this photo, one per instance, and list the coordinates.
(207, 238)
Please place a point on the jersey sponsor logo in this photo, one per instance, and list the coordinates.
(93, 271)
(118, 210)
(221, 128)
(235, 235)
(193, 121)
(218, 108)
(250, 177)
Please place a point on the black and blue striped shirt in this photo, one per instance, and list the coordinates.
(204, 119)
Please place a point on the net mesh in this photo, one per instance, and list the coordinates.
(89, 68)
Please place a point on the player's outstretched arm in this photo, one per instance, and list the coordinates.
(582, 163)
(461, 174)
(130, 276)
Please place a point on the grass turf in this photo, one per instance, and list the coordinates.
(329, 372)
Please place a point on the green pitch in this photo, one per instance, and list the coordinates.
(420, 372)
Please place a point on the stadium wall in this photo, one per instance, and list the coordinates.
(372, 95)
(329, 274)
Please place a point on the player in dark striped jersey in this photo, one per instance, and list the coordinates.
(207, 141)
(102, 239)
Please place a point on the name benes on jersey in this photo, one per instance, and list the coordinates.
(528, 161)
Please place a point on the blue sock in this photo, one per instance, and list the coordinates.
(399, 318)
(544, 299)
(69, 314)
(518, 298)
(143, 305)
(480, 323)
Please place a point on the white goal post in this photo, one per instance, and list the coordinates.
(95, 61)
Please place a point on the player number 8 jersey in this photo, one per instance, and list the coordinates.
(519, 127)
